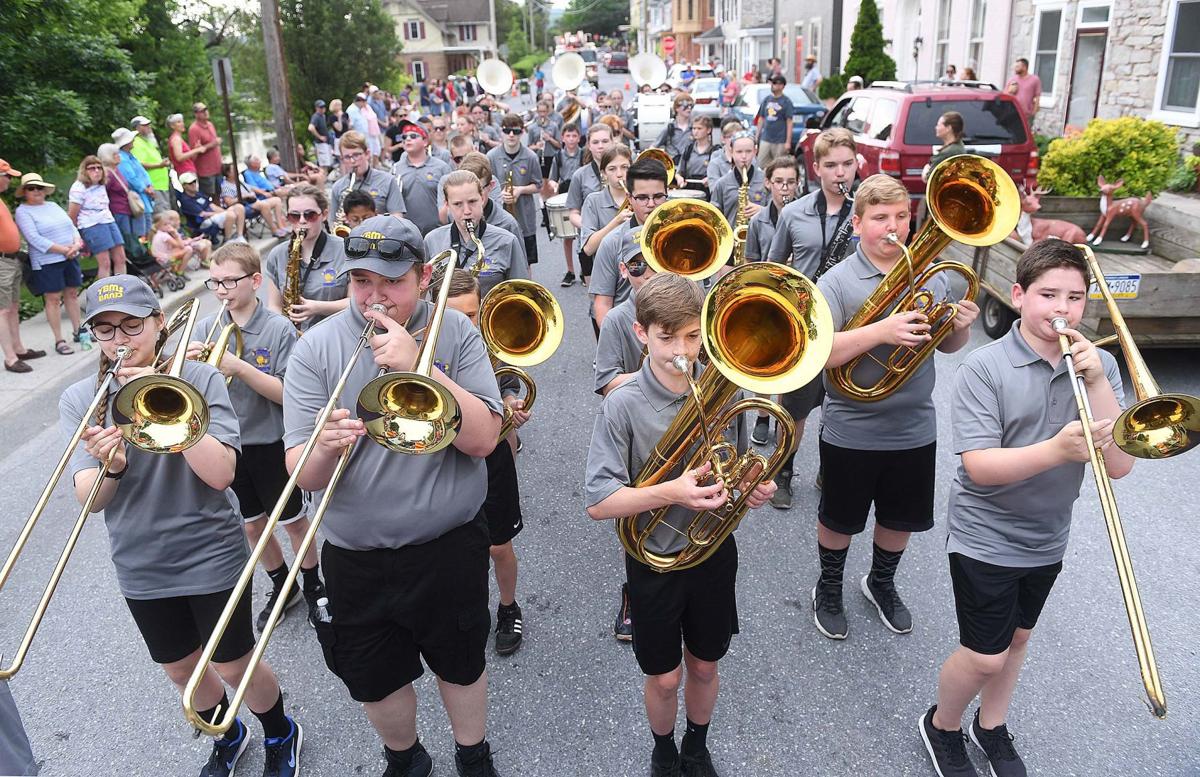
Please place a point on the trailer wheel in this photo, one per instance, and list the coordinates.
(997, 317)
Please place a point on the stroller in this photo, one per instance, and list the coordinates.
(143, 264)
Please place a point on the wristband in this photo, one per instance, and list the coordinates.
(117, 475)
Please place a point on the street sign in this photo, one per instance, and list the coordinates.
(668, 44)
(223, 66)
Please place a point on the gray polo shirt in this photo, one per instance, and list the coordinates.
(267, 340)
(382, 187)
(798, 234)
(526, 169)
(321, 277)
(598, 209)
(617, 349)
(1007, 396)
(673, 139)
(629, 424)
(492, 196)
(760, 233)
(504, 259)
(386, 499)
(564, 166)
(169, 533)
(584, 181)
(549, 130)
(420, 188)
(442, 153)
(16, 756)
(718, 165)
(606, 269)
(724, 194)
(907, 418)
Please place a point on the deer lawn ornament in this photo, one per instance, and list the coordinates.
(1030, 230)
(1133, 207)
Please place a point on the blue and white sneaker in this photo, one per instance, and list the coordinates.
(226, 752)
(283, 753)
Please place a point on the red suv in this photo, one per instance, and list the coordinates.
(893, 125)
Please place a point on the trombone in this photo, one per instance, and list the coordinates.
(972, 200)
(401, 401)
(156, 413)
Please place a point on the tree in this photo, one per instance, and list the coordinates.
(171, 51)
(867, 56)
(600, 17)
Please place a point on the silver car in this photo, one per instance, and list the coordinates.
(707, 94)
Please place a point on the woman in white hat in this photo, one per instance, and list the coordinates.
(136, 176)
(54, 246)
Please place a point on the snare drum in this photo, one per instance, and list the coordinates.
(557, 211)
(687, 194)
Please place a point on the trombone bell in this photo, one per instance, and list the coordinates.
(1159, 427)
(160, 414)
(409, 413)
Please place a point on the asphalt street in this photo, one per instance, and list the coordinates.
(569, 702)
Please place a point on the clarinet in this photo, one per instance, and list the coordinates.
(841, 240)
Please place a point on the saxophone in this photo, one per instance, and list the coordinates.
(480, 261)
(340, 227)
(741, 224)
(511, 207)
(291, 281)
(840, 243)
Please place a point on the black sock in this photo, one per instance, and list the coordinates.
(883, 566)
(665, 751)
(503, 608)
(211, 714)
(401, 759)
(833, 566)
(312, 577)
(695, 738)
(471, 754)
(275, 724)
(278, 576)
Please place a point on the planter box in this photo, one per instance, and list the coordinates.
(1174, 222)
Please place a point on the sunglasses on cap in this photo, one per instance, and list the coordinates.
(308, 215)
(389, 248)
(512, 130)
(636, 267)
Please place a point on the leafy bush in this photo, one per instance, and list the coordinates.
(524, 67)
(1183, 178)
(1043, 143)
(1144, 153)
(832, 86)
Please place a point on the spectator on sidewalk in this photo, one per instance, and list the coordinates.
(15, 352)
(117, 189)
(208, 164)
(145, 149)
(183, 156)
(318, 128)
(136, 177)
(54, 246)
(812, 74)
(174, 251)
(1026, 87)
(774, 122)
(207, 217)
(87, 205)
(235, 191)
(259, 182)
(279, 177)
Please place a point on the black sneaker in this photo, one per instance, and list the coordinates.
(225, 753)
(947, 749)
(568, 280)
(671, 769)
(762, 427)
(828, 613)
(282, 758)
(311, 597)
(782, 498)
(481, 766)
(508, 629)
(997, 744)
(887, 601)
(697, 765)
(421, 764)
(623, 626)
(294, 598)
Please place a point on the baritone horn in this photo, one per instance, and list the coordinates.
(972, 200)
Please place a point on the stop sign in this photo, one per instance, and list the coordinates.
(668, 44)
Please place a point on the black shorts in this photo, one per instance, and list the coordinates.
(899, 483)
(802, 401)
(258, 481)
(175, 627)
(531, 252)
(992, 601)
(502, 507)
(698, 605)
(391, 607)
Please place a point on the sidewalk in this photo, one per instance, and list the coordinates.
(51, 372)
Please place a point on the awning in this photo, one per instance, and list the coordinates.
(711, 36)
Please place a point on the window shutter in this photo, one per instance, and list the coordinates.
(422, 30)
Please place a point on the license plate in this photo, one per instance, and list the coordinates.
(1121, 286)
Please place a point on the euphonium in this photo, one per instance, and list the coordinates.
(683, 236)
(214, 349)
(340, 227)
(291, 281)
(972, 200)
(766, 329)
(665, 159)
(741, 223)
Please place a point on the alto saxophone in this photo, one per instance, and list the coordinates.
(511, 207)
(741, 224)
(340, 227)
(480, 261)
(291, 281)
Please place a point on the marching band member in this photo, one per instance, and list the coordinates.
(724, 193)
(514, 159)
(562, 169)
(616, 106)
(405, 556)
(356, 163)
(493, 213)
(1021, 463)
(177, 571)
(883, 452)
(721, 162)
(584, 181)
(419, 174)
(675, 136)
(686, 617)
(781, 176)
(606, 209)
(256, 393)
(322, 285)
(487, 133)
(357, 207)
(550, 135)
(692, 165)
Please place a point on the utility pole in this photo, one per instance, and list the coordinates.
(532, 43)
(277, 77)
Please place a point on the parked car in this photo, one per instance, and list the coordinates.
(591, 69)
(674, 79)
(808, 107)
(893, 126)
(618, 62)
(707, 94)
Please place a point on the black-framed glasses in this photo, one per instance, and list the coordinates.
(636, 267)
(228, 284)
(437, 128)
(353, 157)
(642, 199)
(684, 106)
(412, 136)
(512, 130)
(309, 215)
(455, 159)
(130, 326)
(388, 248)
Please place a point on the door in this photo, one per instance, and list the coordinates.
(1085, 77)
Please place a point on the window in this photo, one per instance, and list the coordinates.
(942, 44)
(712, 9)
(814, 38)
(418, 70)
(1093, 15)
(975, 48)
(856, 117)
(1183, 60)
(987, 122)
(691, 10)
(1046, 35)
(414, 30)
(466, 32)
(883, 119)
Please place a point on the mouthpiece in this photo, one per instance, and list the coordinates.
(681, 363)
(380, 309)
(1059, 324)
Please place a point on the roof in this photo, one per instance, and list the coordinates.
(456, 12)
(716, 33)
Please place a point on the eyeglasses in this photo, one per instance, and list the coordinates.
(436, 128)
(456, 159)
(33, 188)
(94, 167)
(389, 249)
(352, 157)
(130, 326)
(308, 215)
(783, 184)
(512, 130)
(212, 284)
(412, 136)
(636, 267)
(685, 106)
(642, 199)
